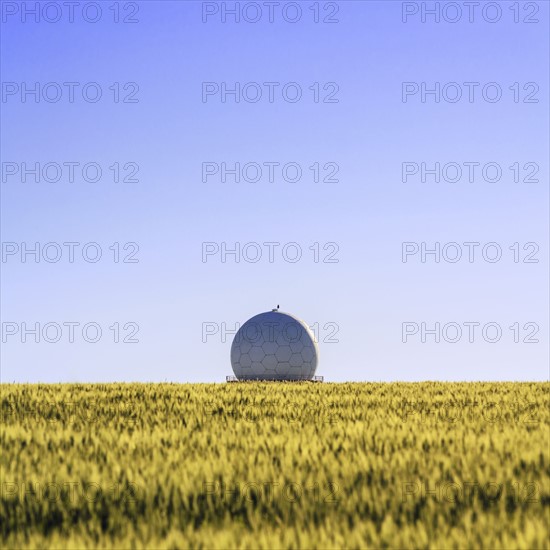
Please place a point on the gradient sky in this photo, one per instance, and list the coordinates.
(171, 293)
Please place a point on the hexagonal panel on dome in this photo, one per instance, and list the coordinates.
(245, 346)
(298, 373)
(270, 347)
(269, 362)
(256, 353)
(296, 347)
(245, 360)
(296, 360)
(246, 371)
(308, 370)
(257, 368)
(283, 353)
(307, 354)
(282, 368)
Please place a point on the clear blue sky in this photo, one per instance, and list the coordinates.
(168, 128)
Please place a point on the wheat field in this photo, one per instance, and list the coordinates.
(276, 465)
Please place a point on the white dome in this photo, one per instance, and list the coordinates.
(274, 346)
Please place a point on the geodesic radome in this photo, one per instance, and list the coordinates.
(274, 346)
